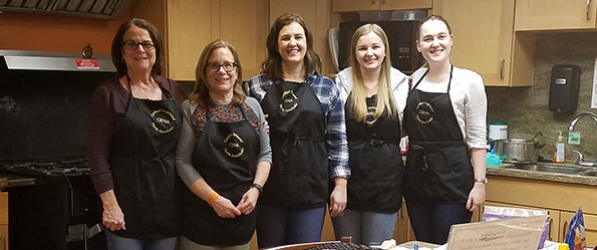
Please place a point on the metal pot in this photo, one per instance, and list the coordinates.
(518, 150)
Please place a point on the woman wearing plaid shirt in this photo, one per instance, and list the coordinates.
(308, 138)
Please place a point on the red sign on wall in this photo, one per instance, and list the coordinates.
(87, 64)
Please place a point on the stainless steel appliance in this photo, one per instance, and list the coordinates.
(43, 116)
(401, 36)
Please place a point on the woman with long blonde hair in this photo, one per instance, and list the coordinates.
(375, 95)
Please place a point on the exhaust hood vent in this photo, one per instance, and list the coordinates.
(54, 61)
(105, 9)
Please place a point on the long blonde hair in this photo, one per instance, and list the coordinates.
(385, 97)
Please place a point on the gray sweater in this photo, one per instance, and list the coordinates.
(186, 143)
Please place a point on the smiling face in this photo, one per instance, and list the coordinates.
(435, 41)
(139, 58)
(370, 51)
(292, 43)
(218, 79)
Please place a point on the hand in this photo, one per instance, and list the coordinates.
(113, 218)
(224, 208)
(476, 197)
(266, 123)
(248, 201)
(338, 200)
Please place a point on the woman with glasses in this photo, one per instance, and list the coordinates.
(308, 137)
(134, 125)
(223, 155)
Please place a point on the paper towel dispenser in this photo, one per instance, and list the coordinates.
(563, 88)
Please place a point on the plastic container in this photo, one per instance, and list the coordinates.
(560, 155)
(498, 130)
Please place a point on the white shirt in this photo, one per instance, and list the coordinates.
(469, 102)
(398, 81)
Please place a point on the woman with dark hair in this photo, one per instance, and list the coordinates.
(308, 138)
(223, 155)
(375, 95)
(133, 128)
(445, 119)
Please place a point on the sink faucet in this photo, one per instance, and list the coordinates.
(575, 120)
(580, 160)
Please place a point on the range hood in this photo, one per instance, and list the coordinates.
(106, 9)
(54, 61)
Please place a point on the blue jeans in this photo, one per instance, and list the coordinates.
(120, 243)
(365, 228)
(281, 226)
(431, 222)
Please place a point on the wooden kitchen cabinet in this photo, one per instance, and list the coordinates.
(538, 15)
(590, 227)
(560, 199)
(4, 221)
(373, 5)
(484, 41)
(403, 231)
(188, 25)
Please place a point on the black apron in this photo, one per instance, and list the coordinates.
(299, 174)
(375, 183)
(226, 157)
(142, 162)
(438, 166)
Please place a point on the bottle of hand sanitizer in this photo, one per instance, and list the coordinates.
(560, 155)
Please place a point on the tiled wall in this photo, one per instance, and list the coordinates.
(526, 108)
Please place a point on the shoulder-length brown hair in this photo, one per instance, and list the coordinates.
(385, 97)
(200, 94)
(117, 46)
(272, 66)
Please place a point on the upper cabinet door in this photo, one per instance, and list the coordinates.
(405, 4)
(483, 40)
(555, 14)
(243, 24)
(355, 5)
(366, 5)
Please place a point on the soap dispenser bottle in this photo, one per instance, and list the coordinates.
(560, 155)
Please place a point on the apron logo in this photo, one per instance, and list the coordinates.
(163, 121)
(289, 101)
(233, 141)
(424, 112)
(370, 114)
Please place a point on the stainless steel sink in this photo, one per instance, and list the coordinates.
(548, 169)
(588, 173)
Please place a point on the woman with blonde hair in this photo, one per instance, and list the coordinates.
(223, 155)
(375, 95)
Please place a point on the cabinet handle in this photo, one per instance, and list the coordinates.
(373, 2)
(588, 3)
(550, 228)
(383, 2)
(502, 68)
(564, 230)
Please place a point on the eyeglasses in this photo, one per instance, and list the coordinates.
(228, 66)
(132, 45)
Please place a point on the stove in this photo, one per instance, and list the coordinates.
(43, 128)
(61, 211)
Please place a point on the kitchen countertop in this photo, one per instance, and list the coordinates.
(544, 176)
(11, 180)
